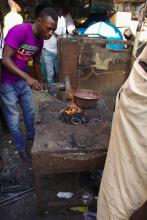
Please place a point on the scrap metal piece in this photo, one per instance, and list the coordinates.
(76, 121)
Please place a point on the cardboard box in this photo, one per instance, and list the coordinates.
(133, 26)
(121, 19)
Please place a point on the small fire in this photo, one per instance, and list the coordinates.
(73, 115)
(72, 110)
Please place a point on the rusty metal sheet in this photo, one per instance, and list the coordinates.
(98, 59)
(95, 66)
(68, 59)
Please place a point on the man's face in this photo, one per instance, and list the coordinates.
(47, 26)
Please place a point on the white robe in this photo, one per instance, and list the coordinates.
(124, 183)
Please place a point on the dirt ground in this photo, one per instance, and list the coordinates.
(17, 172)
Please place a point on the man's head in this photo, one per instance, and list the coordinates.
(14, 5)
(46, 23)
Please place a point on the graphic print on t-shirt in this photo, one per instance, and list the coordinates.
(25, 52)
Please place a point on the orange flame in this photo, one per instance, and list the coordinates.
(71, 110)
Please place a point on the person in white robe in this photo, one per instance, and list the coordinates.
(124, 183)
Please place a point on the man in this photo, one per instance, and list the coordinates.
(65, 23)
(123, 188)
(106, 30)
(13, 17)
(23, 43)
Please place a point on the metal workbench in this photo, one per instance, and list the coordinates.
(59, 147)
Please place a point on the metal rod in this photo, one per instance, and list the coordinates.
(16, 197)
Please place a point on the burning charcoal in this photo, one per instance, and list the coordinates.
(73, 115)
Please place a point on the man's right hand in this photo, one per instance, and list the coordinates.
(34, 84)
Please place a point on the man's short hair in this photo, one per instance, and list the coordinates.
(49, 12)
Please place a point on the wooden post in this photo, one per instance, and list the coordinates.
(139, 28)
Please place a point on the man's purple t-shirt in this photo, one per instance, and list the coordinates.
(21, 38)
